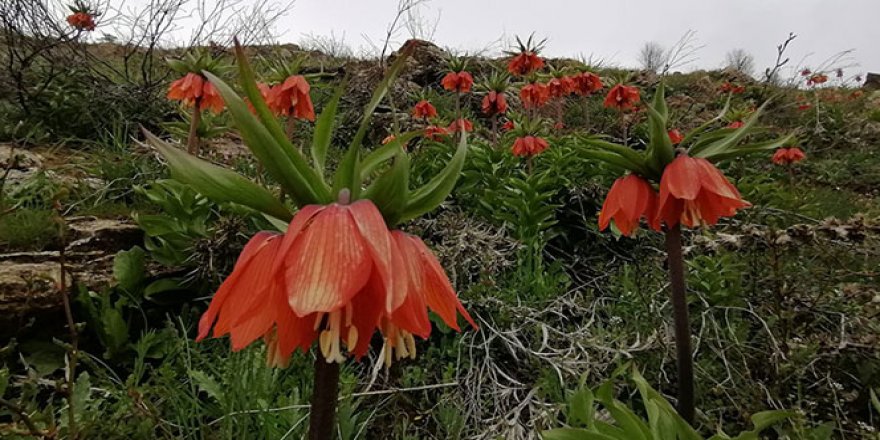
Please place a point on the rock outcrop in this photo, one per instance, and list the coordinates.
(30, 282)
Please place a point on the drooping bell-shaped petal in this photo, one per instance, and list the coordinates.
(459, 82)
(694, 192)
(525, 63)
(424, 110)
(292, 97)
(186, 89)
(629, 200)
(494, 103)
(622, 97)
(534, 95)
(428, 289)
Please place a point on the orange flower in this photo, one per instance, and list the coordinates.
(428, 288)
(675, 136)
(82, 21)
(788, 156)
(528, 146)
(622, 97)
(560, 87)
(459, 82)
(292, 98)
(194, 88)
(559, 125)
(494, 103)
(334, 276)
(265, 92)
(424, 109)
(524, 63)
(187, 89)
(460, 125)
(534, 95)
(629, 200)
(435, 133)
(586, 83)
(728, 87)
(694, 192)
(211, 99)
(507, 126)
(735, 124)
(819, 78)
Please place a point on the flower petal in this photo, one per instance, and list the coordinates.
(327, 265)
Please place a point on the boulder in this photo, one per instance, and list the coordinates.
(30, 282)
(872, 81)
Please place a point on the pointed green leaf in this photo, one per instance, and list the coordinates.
(304, 188)
(743, 150)
(218, 183)
(433, 193)
(324, 129)
(699, 130)
(385, 152)
(729, 141)
(766, 419)
(389, 192)
(380, 93)
(660, 150)
(574, 434)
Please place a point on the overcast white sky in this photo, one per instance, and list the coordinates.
(616, 30)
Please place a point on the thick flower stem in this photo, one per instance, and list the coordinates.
(192, 141)
(322, 419)
(675, 260)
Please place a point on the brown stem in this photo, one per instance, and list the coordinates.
(192, 141)
(322, 419)
(290, 130)
(675, 260)
(494, 131)
(64, 289)
(22, 414)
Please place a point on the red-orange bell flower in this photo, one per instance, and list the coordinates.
(335, 276)
(460, 125)
(292, 98)
(494, 103)
(629, 200)
(194, 88)
(528, 146)
(675, 136)
(788, 156)
(525, 63)
(735, 124)
(560, 87)
(82, 21)
(622, 97)
(428, 288)
(459, 82)
(586, 83)
(694, 192)
(424, 109)
(534, 95)
(507, 126)
(435, 133)
(819, 78)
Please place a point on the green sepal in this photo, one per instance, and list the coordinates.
(303, 189)
(218, 183)
(433, 193)
(390, 191)
(178, 66)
